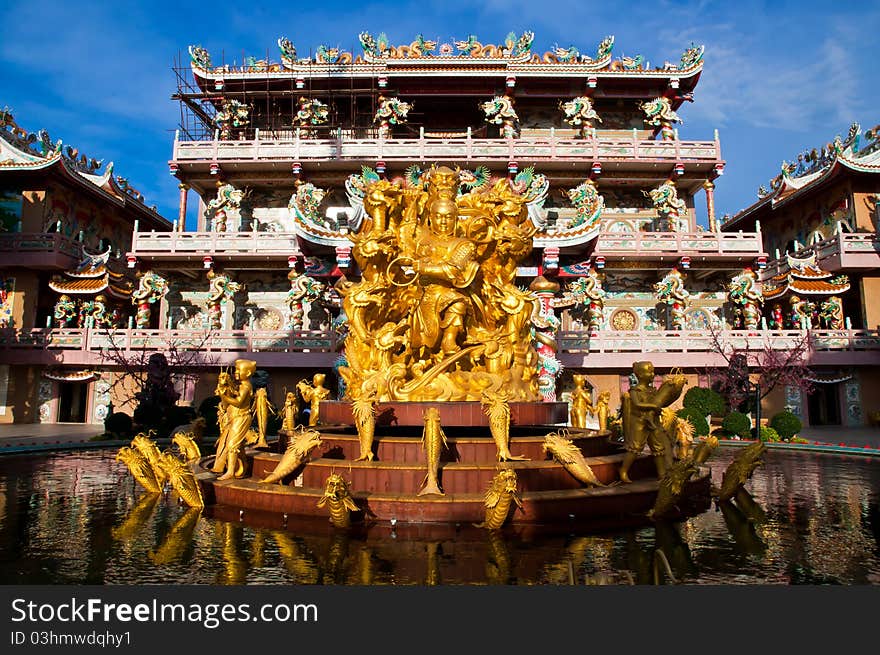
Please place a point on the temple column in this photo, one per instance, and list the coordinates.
(709, 186)
(181, 214)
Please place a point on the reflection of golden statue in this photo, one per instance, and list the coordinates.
(238, 414)
(314, 395)
(437, 308)
(581, 402)
(641, 414)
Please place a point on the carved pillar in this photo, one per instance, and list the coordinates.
(181, 214)
(709, 186)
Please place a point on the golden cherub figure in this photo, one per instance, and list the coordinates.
(313, 394)
(581, 402)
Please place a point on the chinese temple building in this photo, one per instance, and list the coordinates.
(819, 217)
(64, 230)
(280, 155)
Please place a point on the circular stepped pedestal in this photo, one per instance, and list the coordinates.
(387, 488)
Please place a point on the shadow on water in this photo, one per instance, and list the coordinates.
(73, 518)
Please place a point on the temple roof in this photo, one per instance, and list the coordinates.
(805, 277)
(24, 152)
(814, 168)
(462, 57)
(92, 276)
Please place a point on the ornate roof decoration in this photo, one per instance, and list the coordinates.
(516, 50)
(805, 277)
(92, 276)
(70, 375)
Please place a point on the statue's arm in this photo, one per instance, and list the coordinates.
(241, 399)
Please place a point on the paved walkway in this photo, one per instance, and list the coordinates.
(51, 433)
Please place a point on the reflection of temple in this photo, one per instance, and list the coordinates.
(283, 156)
(819, 219)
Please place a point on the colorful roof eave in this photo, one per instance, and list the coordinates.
(97, 184)
(787, 190)
(450, 67)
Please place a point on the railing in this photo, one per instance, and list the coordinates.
(35, 242)
(602, 148)
(282, 341)
(645, 243)
(122, 340)
(264, 243)
(841, 244)
(647, 341)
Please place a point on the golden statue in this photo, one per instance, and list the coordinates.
(433, 442)
(679, 430)
(337, 498)
(225, 385)
(148, 448)
(183, 480)
(570, 456)
(498, 410)
(437, 309)
(288, 412)
(313, 394)
(581, 402)
(601, 409)
(500, 496)
(139, 466)
(641, 413)
(186, 444)
(262, 409)
(363, 409)
(299, 445)
(238, 414)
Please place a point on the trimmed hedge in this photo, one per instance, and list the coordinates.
(698, 420)
(705, 401)
(786, 424)
(737, 423)
(769, 434)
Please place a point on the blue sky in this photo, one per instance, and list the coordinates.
(779, 77)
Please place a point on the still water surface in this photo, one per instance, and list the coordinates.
(79, 518)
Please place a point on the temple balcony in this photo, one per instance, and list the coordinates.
(696, 348)
(40, 250)
(843, 251)
(318, 348)
(672, 246)
(627, 152)
(236, 249)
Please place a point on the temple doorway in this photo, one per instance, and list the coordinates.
(823, 404)
(72, 402)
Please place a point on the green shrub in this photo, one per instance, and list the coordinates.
(769, 434)
(705, 401)
(737, 423)
(119, 425)
(698, 420)
(208, 410)
(786, 424)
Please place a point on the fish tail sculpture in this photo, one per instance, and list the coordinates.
(139, 467)
(338, 499)
(740, 470)
(571, 458)
(364, 412)
(433, 441)
(502, 493)
(183, 480)
(301, 444)
(498, 410)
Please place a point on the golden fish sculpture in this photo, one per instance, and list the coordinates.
(139, 466)
(363, 409)
(337, 498)
(680, 431)
(262, 410)
(186, 443)
(183, 480)
(433, 442)
(148, 448)
(301, 443)
(501, 495)
(498, 410)
(571, 458)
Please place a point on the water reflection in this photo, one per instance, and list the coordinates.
(74, 518)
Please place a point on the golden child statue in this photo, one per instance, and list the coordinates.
(225, 384)
(313, 394)
(239, 415)
(581, 402)
(641, 416)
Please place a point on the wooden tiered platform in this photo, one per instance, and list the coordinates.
(387, 488)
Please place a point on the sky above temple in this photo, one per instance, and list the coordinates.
(779, 77)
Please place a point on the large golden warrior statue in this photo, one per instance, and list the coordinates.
(436, 315)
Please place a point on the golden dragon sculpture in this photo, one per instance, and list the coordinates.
(301, 443)
(433, 442)
(500, 496)
(570, 456)
(337, 498)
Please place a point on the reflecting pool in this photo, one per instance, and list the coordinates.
(79, 518)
